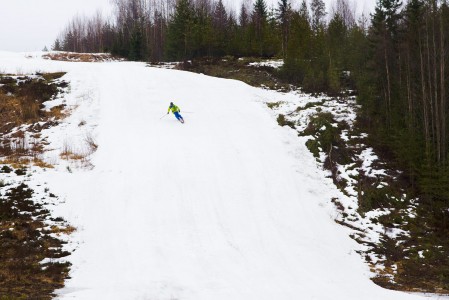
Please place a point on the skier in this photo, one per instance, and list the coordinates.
(175, 110)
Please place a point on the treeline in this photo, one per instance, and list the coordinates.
(397, 60)
(156, 30)
(403, 89)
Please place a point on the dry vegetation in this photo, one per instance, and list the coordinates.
(19, 162)
(30, 239)
(68, 153)
(23, 117)
(239, 69)
(80, 157)
(80, 57)
(30, 265)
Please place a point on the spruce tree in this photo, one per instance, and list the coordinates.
(57, 46)
(297, 62)
(284, 11)
(244, 34)
(203, 32)
(259, 23)
(220, 25)
(180, 32)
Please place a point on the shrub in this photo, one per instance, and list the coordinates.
(372, 198)
(21, 171)
(282, 121)
(313, 145)
(6, 169)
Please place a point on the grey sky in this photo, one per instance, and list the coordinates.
(29, 25)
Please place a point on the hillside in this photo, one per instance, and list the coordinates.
(228, 205)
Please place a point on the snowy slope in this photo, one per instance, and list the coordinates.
(226, 206)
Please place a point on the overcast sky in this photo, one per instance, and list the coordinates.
(29, 25)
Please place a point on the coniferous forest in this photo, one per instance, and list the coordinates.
(397, 61)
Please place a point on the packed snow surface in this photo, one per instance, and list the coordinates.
(228, 206)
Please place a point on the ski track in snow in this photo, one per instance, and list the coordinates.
(227, 206)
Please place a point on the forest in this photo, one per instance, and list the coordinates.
(396, 60)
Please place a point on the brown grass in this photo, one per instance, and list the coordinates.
(79, 57)
(20, 162)
(22, 103)
(58, 230)
(68, 153)
(52, 76)
(42, 164)
(23, 99)
(10, 112)
(16, 162)
(58, 112)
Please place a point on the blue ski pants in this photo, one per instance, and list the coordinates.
(178, 116)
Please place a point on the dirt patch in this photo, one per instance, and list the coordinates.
(30, 249)
(239, 69)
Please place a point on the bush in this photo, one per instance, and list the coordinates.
(373, 198)
(21, 171)
(282, 121)
(313, 145)
(6, 169)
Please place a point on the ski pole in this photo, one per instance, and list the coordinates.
(163, 116)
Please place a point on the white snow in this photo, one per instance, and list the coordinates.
(275, 63)
(227, 206)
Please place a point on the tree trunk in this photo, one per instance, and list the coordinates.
(424, 102)
(435, 78)
(387, 69)
(429, 79)
(409, 95)
(443, 91)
